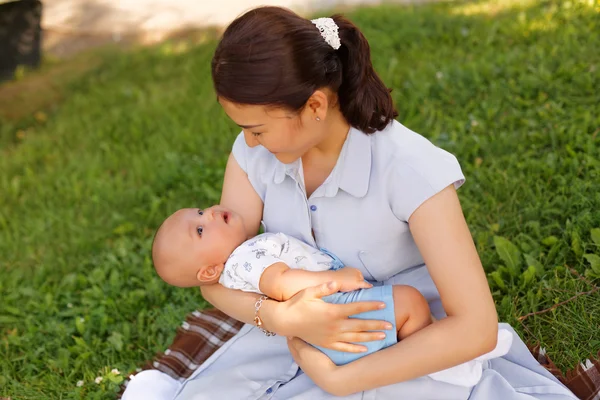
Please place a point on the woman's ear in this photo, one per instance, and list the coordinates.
(317, 105)
(210, 274)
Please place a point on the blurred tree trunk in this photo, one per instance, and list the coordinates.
(20, 35)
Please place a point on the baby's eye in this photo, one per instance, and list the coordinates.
(256, 134)
(199, 230)
(200, 212)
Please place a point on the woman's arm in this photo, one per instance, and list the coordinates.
(305, 315)
(470, 330)
(239, 196)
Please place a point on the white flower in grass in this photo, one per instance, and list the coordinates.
(474, 122)
(439, 74)
(79, 384)
(98, 380)
(115, 371)
(69, 305)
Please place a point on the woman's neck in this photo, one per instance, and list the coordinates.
(318, 162)
(336, 130)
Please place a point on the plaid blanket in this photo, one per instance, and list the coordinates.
(202, 333)
(584, 380)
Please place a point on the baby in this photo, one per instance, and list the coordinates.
(203, 247)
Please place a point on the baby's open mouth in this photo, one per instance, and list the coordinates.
(226, 217)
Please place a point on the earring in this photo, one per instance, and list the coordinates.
(318, 119)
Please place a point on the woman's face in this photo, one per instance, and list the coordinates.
(286, 134)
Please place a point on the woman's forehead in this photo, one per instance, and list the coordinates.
(251, 114)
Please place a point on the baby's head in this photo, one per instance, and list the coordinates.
(192, 245)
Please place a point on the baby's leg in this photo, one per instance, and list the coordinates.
(412, 310)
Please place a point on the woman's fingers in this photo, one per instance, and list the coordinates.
(350, 337)
(361, 337)
(362, 330)
(327, 325)
(349, 309)
(348, 347)
(365, 325)
(322, 290)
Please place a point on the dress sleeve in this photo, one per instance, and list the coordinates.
(239, 151)
(256, 162)
(418, 176)
(247, 263)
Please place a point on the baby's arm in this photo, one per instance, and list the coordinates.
(280, 282)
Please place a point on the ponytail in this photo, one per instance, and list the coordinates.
(255, 50)
(364, 99)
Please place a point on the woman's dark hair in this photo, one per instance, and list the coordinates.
(271, 56)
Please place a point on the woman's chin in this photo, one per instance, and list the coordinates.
(286, 158)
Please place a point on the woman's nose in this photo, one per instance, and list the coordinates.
(251, 140)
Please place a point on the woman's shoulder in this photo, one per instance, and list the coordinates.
(412, 167)
(405, 146)
(398, 148)
(257, 162)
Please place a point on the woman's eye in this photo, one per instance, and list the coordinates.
(199, 229)
(200, 212)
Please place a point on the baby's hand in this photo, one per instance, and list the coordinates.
(351, 279)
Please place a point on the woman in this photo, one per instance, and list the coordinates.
(322, 159)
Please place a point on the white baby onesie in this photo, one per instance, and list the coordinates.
(248, 261)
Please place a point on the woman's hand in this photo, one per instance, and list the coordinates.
(314, 363)
(311, 319)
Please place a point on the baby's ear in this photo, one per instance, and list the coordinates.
(210, 274)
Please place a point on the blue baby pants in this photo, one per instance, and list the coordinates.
(382, 293)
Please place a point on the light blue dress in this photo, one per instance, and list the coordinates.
(360, 213)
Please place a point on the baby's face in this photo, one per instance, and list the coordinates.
(216, 232)
(192, 245)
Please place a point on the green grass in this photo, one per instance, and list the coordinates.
(510, 87)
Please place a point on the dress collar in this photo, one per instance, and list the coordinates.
(351, 172)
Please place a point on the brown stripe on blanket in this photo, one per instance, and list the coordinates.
(583, 381)
(202, 333)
